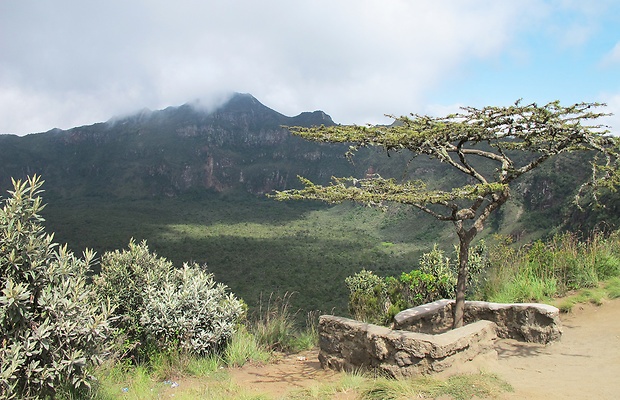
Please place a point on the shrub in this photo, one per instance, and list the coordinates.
(190, 311)
(50, 333)
(377, 300)
(161, 308)
(434, 280)
(124, 278)
(368, 296)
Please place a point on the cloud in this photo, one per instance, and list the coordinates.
(73, 62)
(612, 58)
(613, 107)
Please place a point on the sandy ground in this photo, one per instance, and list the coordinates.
(292, 372)
(584, 364)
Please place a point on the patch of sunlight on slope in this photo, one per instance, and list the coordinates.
(248, 230)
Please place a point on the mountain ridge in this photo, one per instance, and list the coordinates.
(193, 182)
(166, 152)
(241, 146)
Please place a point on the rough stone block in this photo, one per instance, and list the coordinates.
(528, 322)
(397, 352)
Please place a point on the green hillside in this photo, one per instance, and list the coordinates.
(193, 184)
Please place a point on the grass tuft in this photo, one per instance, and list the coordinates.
(613, 288)
(244, 347)
(544, 270)
(365, 386)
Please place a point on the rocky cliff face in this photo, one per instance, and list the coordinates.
(242, 145)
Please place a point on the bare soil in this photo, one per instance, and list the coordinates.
(584, 364)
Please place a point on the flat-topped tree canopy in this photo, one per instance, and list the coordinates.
(538, 131)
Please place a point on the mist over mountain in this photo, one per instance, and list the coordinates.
(240, 146)
(192, 183)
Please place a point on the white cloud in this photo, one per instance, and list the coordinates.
(612, 58)
(74, 62)
(613, 107)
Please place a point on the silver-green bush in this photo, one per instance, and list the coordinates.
(50, 333)
(124, 278)
(160, 308)
(191, 311)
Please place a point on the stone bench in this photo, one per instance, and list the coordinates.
(526, 322)
(423, 341)
(349, 345)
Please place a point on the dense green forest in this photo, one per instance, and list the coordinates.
(260, 247)
(257, 246)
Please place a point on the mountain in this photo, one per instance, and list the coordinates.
(240, 146)
(243, 147)
(192, 181)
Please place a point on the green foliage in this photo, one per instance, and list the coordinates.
(308, 240)
(365, 282)
(376, 191)
(244, 346)
(459, 387)
(161, 308)
(287, 246)
(124, 278)
(190, 310)
(550, 268)
(50, 333)
(377, 300)
(365, 386)
(368, 296)
(275, 326)
(610, 289)
(435, 279)
(613, 288)
(542, 131)
(307, 337)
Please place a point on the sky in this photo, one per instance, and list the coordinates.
(70, 63)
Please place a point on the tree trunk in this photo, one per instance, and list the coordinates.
(461, 283)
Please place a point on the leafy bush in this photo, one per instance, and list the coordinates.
(161, 308)
(190, 311)
(377, 300)
(50, 333)
(434, 280)
(368, 296)
(124, 278)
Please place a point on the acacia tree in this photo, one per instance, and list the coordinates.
(509, 133)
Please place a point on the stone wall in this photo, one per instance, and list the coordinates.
(346, 344)
(527, 322)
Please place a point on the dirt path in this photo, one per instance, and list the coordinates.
(585, 364)
(292, 372)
